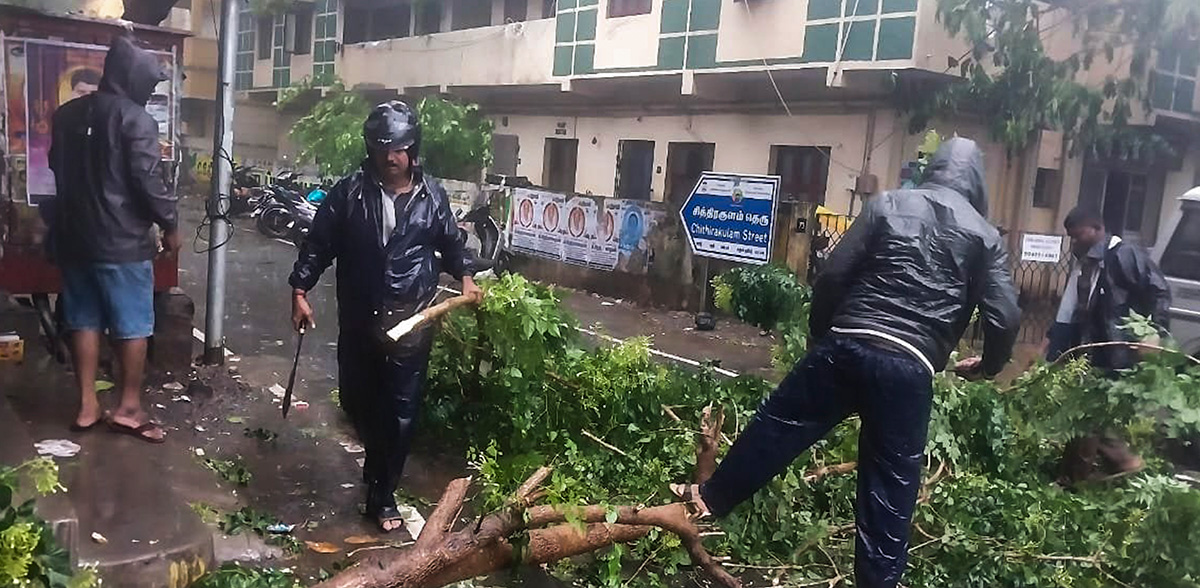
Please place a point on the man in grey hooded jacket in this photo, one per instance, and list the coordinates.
(105, 156)
(887, 310)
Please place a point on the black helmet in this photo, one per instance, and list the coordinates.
(392, 126)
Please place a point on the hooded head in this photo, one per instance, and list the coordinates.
(958, 165)
(131, 71)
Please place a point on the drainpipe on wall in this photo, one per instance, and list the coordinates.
(868, 151)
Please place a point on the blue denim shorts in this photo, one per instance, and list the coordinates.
(113, 297)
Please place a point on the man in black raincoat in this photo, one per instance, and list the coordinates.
(109, 194)
(384, 224)
(887, 310)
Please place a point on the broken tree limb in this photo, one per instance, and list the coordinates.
(604, 444)
(442, 519)
(443, 556)
(469, 553)
(832, 470)
(707, 441)
(671, 517)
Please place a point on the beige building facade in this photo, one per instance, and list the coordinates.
(633, 98)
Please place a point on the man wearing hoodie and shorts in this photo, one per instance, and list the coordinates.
(110, 193)
(888, 309)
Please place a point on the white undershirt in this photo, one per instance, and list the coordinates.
(1066, 307)
(389, 214)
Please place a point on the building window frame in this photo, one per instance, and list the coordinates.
(427, 17)
(1047, 188)
(265, 36)
(460, 20)
(325, 39)
(1176, 73)
(622, 8)
(884, 12)
(243, 71)
(814, 161)
(302, 28)
(281, 59)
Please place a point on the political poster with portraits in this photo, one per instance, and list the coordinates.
(41, 75)
(535, 219)
(579, 230)
(590, 231)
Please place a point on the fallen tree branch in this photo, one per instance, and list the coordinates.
(707, 442)
(1090, 559)
(1070, 353)
(441, 556)
(833, 470)
(671, 517)
(442, 519)
(605, 444)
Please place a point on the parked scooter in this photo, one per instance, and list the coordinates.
(284, 214)
(484, 234)
(245, 191)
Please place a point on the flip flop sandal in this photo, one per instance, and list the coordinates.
(139, 431)
(389, 514)
(692, 499)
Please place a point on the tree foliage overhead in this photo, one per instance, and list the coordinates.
(456, 138)
(330, 135)
(1011, 77)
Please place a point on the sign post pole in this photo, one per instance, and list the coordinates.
(218, 203)
(730, 217)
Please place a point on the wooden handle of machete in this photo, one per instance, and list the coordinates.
(430, 314)
(446, 306)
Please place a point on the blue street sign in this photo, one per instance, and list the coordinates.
(732, 217)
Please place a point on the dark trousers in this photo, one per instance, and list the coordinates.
(1062, 337)
(893, 393)
(382, 396)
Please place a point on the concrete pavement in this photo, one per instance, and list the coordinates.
(132, 493)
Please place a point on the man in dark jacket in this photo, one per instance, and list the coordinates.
(887, 311)
(110, 192)
(1110, 280)
(383, 224)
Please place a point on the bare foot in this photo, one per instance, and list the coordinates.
(690, 493)
(88, 417)
(138, 418)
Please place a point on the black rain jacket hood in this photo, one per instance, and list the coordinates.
(916, 264)
(106, 156)
(131, 71)
(958, 165)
